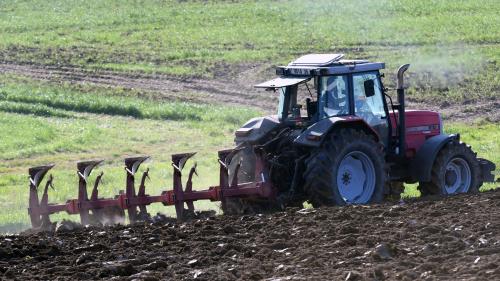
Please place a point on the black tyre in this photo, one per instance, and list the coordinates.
(455, 170)
(348, 169)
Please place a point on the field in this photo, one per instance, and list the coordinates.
(454, 238)
(110, 79)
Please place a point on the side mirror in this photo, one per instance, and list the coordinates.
(369, 86)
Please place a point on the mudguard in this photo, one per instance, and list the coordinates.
(314, 135)
(256, 129)
(421, 165)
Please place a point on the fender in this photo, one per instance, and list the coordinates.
(421, 165)
(256, 129)
(315, 134)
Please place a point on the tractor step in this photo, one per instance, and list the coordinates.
(95, 210)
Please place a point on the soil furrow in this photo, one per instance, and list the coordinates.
(453, 238)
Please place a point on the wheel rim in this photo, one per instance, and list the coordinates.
(356, 178)
(457, 177)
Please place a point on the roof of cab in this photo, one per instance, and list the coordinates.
(316, 60)
(326, 64)
(311, 65)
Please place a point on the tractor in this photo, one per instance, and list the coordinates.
(337, 138)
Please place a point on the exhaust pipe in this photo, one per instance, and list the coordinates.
(401, 109)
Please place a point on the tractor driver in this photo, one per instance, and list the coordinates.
(334, 96)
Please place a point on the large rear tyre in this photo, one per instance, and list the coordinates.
(348, 169)
(455, 170)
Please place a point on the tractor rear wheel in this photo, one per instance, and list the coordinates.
(348, 169)
(455, 170)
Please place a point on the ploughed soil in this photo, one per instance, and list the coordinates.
(453, 238)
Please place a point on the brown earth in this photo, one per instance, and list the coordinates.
(231, 85)
(454, 238)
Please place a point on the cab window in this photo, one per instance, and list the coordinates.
(287, 101)
(333, 99)
(367, 106)
(371, 108)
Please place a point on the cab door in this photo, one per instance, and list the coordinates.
(371, 107)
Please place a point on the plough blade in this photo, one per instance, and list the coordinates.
(36, 176)
(84, 168)
(178, 162)
(112, 210)
(132, 165)
(37, 173)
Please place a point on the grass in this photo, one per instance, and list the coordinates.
(453, 45)
(185, 37)
(45, 100)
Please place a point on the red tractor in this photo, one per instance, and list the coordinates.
(337, 138)
(348, 143)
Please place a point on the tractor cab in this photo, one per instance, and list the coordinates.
(320, 86)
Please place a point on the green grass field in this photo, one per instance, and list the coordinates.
(454, 48)
(186, 37)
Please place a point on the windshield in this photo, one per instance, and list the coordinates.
(281, 104)
(295, 102)
(333, 98)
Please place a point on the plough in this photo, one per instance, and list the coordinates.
(94, 209)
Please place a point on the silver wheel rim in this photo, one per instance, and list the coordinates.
(457, 176)
(356, 178)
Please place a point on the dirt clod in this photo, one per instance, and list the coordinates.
(66, 225)
(117, 268)
(353, 276)
(82, 258)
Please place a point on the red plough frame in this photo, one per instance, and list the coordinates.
(135, 203)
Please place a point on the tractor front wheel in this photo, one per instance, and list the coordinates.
(455, 170)
(348, 169)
